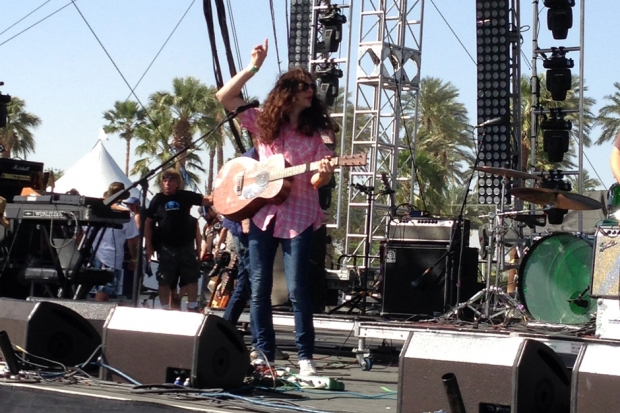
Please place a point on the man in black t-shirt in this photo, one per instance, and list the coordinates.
(176, 234)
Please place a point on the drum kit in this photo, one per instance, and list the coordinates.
(554, 269)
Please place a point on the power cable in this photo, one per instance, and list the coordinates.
(161, 49)
(34, 24)
(455, 35)
(125, 79)
(275, 35)
(18, 21)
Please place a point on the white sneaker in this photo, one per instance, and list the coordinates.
(307, 367)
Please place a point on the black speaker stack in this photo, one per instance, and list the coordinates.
(421, 278)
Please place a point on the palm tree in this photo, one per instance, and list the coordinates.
(16, 137)
(125, 118)
(609, 117)
(443, 144)
(155, 149)
(185, 107)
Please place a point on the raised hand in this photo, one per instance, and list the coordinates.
(259, 53)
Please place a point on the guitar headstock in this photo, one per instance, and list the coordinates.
(358, 159)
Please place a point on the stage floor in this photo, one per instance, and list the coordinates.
(339, 338)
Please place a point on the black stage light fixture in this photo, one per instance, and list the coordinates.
(4, 100)
(299, 34)
(332, 21)
(559, 17)
(328, 82)
(555, 135)
(493, 56)
(558, 73)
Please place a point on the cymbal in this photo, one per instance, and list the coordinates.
(555, 198)
(506, 172)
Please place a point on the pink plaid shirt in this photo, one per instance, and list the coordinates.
(301, 209)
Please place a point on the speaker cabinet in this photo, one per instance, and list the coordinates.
(96, 313)
(48, 330)
(414, 280)
(157, 346)
(596, 379)
(494, 374)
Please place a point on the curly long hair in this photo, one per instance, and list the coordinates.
(280, 99)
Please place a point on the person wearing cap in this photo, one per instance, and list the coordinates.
(169, 223)
(133, 205)
(111, 250)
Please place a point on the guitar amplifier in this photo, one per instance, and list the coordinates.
(606, 258)
(427, 230)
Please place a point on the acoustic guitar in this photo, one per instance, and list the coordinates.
(244, 185)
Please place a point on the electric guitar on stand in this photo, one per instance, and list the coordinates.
(244, 185)
(224, 285)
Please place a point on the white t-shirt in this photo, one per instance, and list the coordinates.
(111, 250)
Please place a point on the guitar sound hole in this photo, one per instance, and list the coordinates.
(262, 179)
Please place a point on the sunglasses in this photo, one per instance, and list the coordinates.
(168, 178)
(304, 86)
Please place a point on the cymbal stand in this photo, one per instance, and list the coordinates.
(493, 296)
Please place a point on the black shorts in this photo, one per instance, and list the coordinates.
(178, 264)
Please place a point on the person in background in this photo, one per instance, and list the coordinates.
(129, 268)
(133, 205)
(615, 158)
(168, 228)
(111, 250)
(290, 123)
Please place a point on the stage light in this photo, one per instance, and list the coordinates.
(332, 21)
(555, 135)
(328, 81)
(493, 55)
(559, 17)
(299, 34)
(558, 73)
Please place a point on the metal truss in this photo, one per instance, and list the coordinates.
(384, 126)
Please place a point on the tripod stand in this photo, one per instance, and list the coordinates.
(359, 297)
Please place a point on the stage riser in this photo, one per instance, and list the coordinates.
(504, 374)
(157, 346)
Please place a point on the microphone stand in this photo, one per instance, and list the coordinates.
(144, 184)
(361, 295)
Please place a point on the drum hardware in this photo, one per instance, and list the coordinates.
(506, 173)
(555, 198)
(507, 305)
(554, 279)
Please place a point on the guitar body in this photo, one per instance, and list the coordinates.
(242, 186)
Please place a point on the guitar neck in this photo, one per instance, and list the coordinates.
(298, 170)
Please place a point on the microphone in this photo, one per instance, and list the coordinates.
(491, 122)
(253, 104)
(417, 282)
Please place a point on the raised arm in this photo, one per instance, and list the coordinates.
(228, 95)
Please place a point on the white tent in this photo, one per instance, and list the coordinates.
(92, 174)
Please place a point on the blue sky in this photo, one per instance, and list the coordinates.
(67, 79)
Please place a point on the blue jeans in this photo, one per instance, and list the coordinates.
(243, 290)
(263, 246)
(110, 289)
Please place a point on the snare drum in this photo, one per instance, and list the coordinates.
(552, 275)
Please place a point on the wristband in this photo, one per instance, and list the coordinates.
(254, 69)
